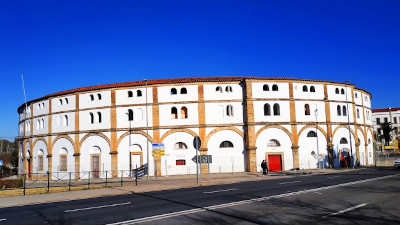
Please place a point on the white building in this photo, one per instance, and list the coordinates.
(240, 120)
(386, 115)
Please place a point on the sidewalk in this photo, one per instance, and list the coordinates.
(162, 183)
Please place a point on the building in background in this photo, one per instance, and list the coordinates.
(386, 115)
(240, 120)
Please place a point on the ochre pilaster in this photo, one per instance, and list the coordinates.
(156, 130)
(77, 146)
(249, 130)
(366, 153)
(113, 144)
(295, 137)
(329, 127)
(202, 126)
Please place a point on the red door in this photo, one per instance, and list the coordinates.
(274, 162)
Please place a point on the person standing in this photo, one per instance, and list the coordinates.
(264, 167)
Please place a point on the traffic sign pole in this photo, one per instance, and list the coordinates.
(197, 144)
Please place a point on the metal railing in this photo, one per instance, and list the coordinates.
(79, 179)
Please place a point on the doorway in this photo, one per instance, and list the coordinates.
(136, 161)
(274, 162)
(96, 166)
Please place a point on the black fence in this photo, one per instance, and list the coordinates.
(74, 179)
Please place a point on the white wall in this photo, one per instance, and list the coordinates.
(361, 148)
(88, 145)
(309, 144)
(165, 114)
(298, 92)
(164, 93)
(139, 116)
(300, 111)
(226, 159)
(40, 125)
(216, 113)
(285, 148)
(138, 142)
(168, 163)
(342, 133)
(283, 90)
(121, 96)
(59, 125)
(64, 103)
(210, 92)
(86, 102)
(40, 145)
(40, 108)
(85, 123)
(57, 148)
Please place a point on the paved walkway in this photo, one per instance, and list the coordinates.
(162, 183)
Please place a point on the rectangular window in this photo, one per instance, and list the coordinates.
(40, 163)
(378, 120)
(180, 162)
(395, 120)
(385, 119)
(63, 162)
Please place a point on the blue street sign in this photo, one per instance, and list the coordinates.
(1, 162)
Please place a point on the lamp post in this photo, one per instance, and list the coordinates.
(348, 123)
(316, 132)
(129, 147)
(392, 136)
(147, 132)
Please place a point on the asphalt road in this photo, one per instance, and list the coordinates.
(365, 196)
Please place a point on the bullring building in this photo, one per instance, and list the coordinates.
(241, 121)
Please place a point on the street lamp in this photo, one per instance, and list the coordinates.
(147, 132)
(392, 136)
(129, 147)
(348, 123)
(316, 132)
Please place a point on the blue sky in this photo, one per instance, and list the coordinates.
(60, 45)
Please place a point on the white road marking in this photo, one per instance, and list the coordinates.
(334, 176)
(97, 207)
(318, 193)
(210, 192)
(291, 182)
(2, 220)
(225, 205)
(346, 210)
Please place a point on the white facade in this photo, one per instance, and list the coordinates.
(386, 115)
(104, 127)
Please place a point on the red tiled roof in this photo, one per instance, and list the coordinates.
(173, 81)
(385, 110)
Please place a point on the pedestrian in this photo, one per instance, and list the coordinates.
(264, 167)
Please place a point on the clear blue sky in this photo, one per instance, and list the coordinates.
(60, 45)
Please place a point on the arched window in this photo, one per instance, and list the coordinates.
(305, 88)
(99, 115)
(180, 146)
(59, 121)
(265, 87)
(307, 109)
(42, 124)
(130, 114)
(226, 144)
(344, 111)
(60, 102)
(91, 98)
(66, 100)
(358, 113)
(277, 110)
(91, 118)
(184, 113)
(229, 110)
(130, 94)
(99, 96)
(339, 111)
(312, 89)
(312, 134)
(173, 91)
(274, 87)
(369, 141)
(273, 143)
(342, 91)
(139, 114)
(65, 121)
(228, 89)
(267, 110)
(218, 89)
(174, 113)
(37, 125)
(343, 141)
(337, 90)
(139, 93)
(183, 91)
